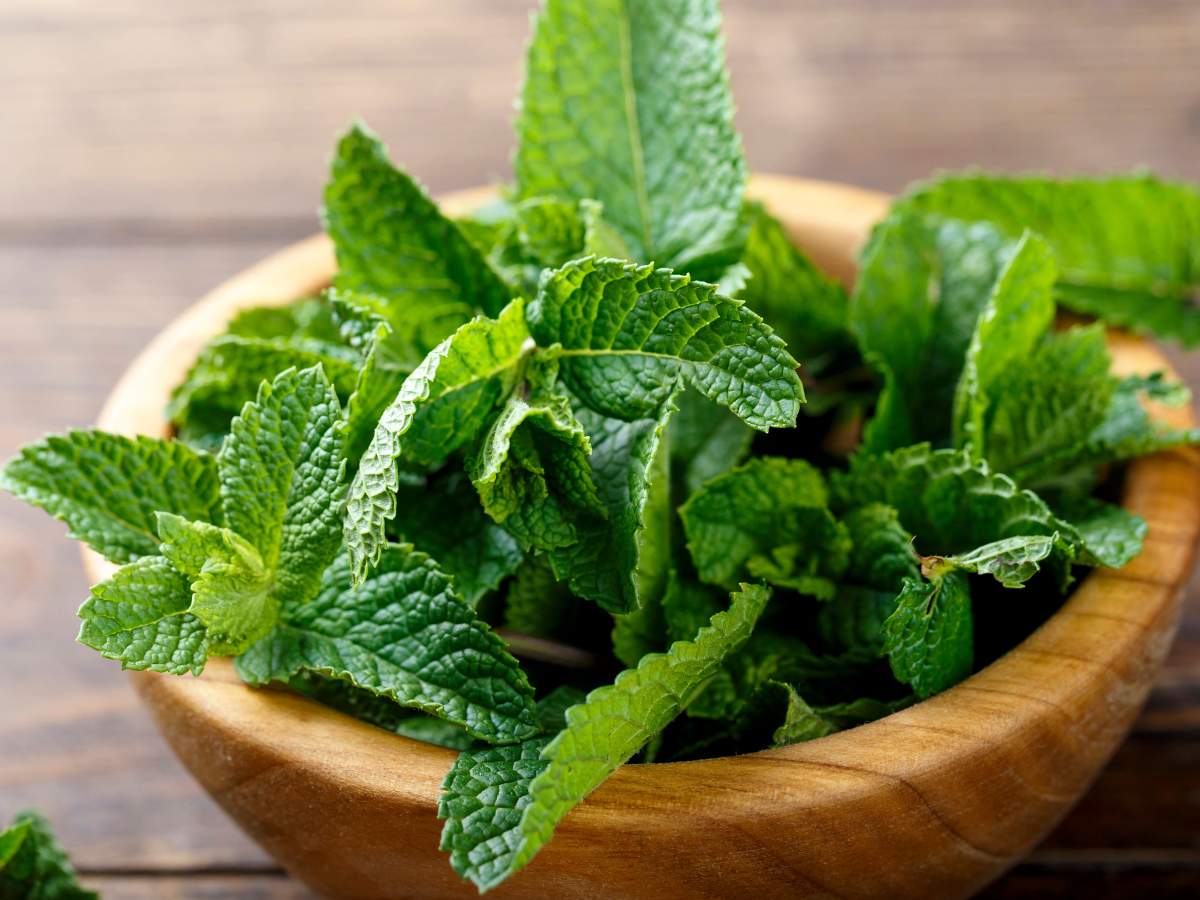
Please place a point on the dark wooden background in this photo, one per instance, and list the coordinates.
(149, 149)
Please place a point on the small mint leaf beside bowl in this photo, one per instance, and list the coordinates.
(935, 800)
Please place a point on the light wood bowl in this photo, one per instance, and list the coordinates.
(934, 801)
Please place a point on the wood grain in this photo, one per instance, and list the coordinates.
(150, 149)
(957, 789)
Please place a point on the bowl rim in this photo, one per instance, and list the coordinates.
(1112, 630)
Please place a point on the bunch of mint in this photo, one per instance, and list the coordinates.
(573, 416)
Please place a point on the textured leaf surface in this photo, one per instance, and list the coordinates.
(140, 617)
(500, 810)
(531, 468)
(441, 406)
(620, 560)
(627, 102)
(1043, 410)
(1112, 534)
(739, 521)
(929, 638)
(407, 635)
(233, 593)
(445, 519)
(391, 239)
(537, 603)
(921, 286)
(281, 480)
(228, 371)
(881, 557)
(34, 866)
(952, 504)
(107, 488)
(1128, 247)
(806, 308)
(1018, 313)
(631, 334)
(705, 440)
(1011, 561)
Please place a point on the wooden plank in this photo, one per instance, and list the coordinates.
(253, 886)
(208, 112)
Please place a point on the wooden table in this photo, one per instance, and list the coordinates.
(150, 149)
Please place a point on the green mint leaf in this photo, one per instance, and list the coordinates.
(1011, 561)
(921, 286)
(537, 603)
(391, 239)
(806, 308)
(769, 517)
(228, 371)
(531, 468)
(308, 319)
(139, 616)
(405, 634)
(410, 332)
(377, 386)
(34, 866)
(801, 722)
(1125, 432)
(950, 502)
(620, 561)
(233, 592)
(441, 406)
(501, 808)
(881, 557)
(631, 335)
(107, 487)
(1019, 311)
(1043, 409)
(444, 518)
(929, 638)
(1112, 534)
(628, 103)
(281, 479)
(1128, 247)
(705, 440)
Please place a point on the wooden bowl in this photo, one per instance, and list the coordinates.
(934, 801)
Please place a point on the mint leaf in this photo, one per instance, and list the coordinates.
(107, 487)
(501, 808)
(444, 518)
(1124, 432)
(1112, 534)
(620, 561)
(233, 592)
(632, 335)
(801, 722)
(537, 603)
(629, 103)
(951, 503)
(140, 617)
(1019, 311)
(1128, 247)
(705, 440)
(391, 239)
(407, 635)
(34, 866)
(881, 557)
(281, 479)
(929, 638)
(1011, 561)
(806, 308)
(770, 518)
(1043, 410)
(921, 286)
(229, 369)
(441, 406)
(531, 468)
